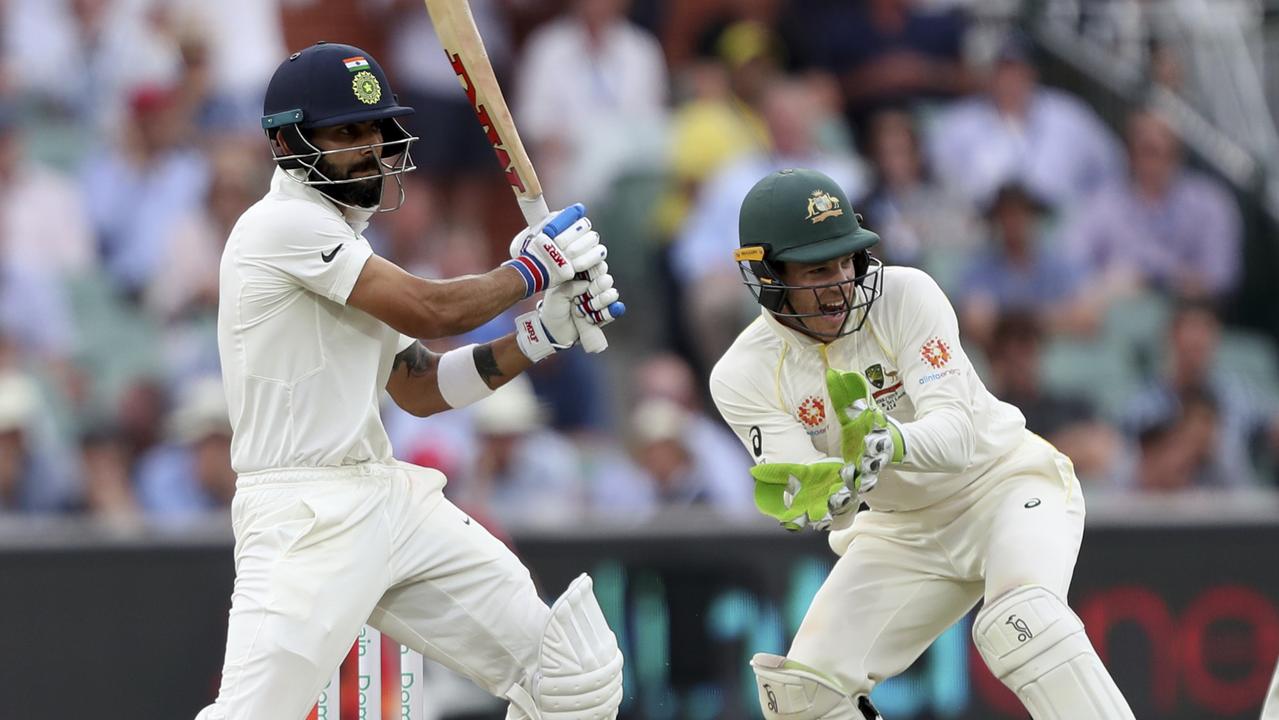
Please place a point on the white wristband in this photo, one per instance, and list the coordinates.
(531, 336)
(459, 379)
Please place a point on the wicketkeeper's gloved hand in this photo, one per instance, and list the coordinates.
(552, 252)
(799, 496)
(869, 438)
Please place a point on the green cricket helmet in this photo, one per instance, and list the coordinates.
(803, 216)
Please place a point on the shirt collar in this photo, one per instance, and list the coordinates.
(787, 333)
(288, 183)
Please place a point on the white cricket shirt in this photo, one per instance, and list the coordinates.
(770, 387)
(303, 372)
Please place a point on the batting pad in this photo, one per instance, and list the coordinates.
(1270, 710)
(791, 691)
(579, 674)
(1036, 646)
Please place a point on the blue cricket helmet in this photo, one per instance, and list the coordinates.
(331, 84)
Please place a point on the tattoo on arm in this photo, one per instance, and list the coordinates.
(416, 359)
(486, 364)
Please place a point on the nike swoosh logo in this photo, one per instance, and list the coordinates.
(328, 257)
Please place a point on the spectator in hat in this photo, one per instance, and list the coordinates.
(667, 376)
(524, 474)
(661, 448)
(32, 480)
(1020, 270)
(663, 468)
(190, 472)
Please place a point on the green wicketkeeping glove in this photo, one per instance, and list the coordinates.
(801, 495)
(868, 438)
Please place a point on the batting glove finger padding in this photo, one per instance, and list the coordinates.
(597, 304)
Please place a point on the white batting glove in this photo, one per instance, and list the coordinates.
(551, 327)
(601, 303)
(555, 250)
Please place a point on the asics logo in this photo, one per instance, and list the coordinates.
(772, 699)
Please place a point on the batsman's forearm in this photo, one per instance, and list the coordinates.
(469, 301)
(500, 361)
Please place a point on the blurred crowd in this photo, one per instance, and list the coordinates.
(1091, 266)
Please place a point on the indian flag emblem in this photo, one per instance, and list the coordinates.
(356, 64)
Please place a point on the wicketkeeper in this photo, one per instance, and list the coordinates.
(852, 387)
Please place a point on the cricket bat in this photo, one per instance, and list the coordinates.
(464, 48)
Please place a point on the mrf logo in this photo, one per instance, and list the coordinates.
(812, 414)
(530, 331)
(554, 252)
(490, 131)
(1020, 627)
(935, 352)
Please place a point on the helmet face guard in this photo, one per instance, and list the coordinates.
(327, 85)
(857, 294)
(394, 159)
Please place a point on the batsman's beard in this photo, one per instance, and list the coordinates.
(361, 193)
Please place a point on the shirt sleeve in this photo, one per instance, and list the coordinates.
(769, 434)
(935, 373)
(319, 252)
(1218, 228)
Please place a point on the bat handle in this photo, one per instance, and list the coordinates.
(592, 336)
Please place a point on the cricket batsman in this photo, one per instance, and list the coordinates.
(330, 531)
(852, 387)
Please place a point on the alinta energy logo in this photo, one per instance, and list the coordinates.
(935, 352)
(812, 413)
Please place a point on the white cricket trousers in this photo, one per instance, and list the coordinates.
(907, 576)
(320, 552)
